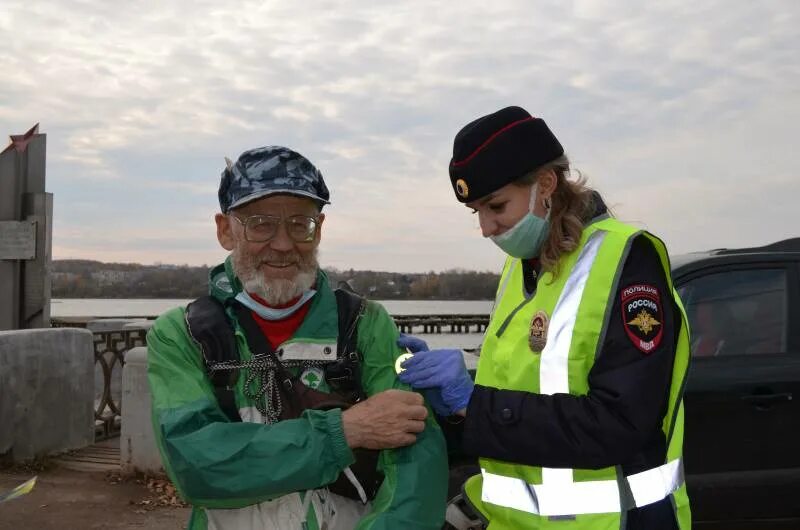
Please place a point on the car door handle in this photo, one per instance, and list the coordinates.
(767, 399)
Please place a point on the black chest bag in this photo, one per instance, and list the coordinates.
(209, 326)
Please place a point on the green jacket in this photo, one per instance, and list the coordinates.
(218, 464)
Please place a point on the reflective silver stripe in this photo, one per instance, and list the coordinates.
(654, 484)
(553, 371)
(576, 498)
(508, 492)
(306, 351)
(553, 499)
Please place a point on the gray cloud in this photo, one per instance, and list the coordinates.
(683, 113)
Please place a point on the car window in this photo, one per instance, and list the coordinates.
(737, 312)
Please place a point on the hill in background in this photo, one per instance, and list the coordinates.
(94, 279)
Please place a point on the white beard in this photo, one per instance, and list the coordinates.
(275, 291)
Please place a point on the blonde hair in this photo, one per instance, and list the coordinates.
(572, 203)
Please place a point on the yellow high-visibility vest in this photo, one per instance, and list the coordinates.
(577, 303)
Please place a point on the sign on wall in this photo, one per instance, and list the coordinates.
(17, 240)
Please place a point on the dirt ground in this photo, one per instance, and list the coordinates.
(77, 500)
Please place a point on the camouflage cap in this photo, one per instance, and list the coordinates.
(267, 171)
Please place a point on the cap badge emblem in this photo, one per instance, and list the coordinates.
(462, 189)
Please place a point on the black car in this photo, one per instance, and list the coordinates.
(742, 401)
(742, 442)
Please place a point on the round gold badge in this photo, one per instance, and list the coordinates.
(537, 338)
(462, 189)
(400, 360)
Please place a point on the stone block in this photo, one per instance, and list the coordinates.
(138, 451)
(46, 391)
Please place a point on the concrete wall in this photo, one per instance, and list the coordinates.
(46, 391)
(139, 324)
(116, 324)
(138, 450)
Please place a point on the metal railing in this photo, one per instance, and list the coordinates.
(109, 358)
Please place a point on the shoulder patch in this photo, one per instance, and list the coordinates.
(642, 316)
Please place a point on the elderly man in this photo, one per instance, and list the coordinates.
(275, 399)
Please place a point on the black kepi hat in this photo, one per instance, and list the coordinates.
(497, 149)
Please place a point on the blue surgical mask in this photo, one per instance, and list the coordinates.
(272, 313)
(524, 240)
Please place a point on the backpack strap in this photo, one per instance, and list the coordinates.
(350, 307)
(344, 376)
(209, 327)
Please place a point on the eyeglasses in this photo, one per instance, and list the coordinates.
(261, 228)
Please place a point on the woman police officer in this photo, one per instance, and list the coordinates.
(576, 412)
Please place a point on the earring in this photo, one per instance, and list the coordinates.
(547, 203)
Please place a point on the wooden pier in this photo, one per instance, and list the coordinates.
(441, 323)
(405, 323)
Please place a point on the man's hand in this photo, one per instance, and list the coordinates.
(390, 419)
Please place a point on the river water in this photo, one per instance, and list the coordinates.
(126, 307)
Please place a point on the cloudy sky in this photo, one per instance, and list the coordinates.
(684, 114)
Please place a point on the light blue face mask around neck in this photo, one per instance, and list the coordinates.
(524, 240)
(273, 313)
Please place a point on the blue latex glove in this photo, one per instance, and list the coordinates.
(434, 398)
(442, 369)
(432, 395)
(411, 343)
